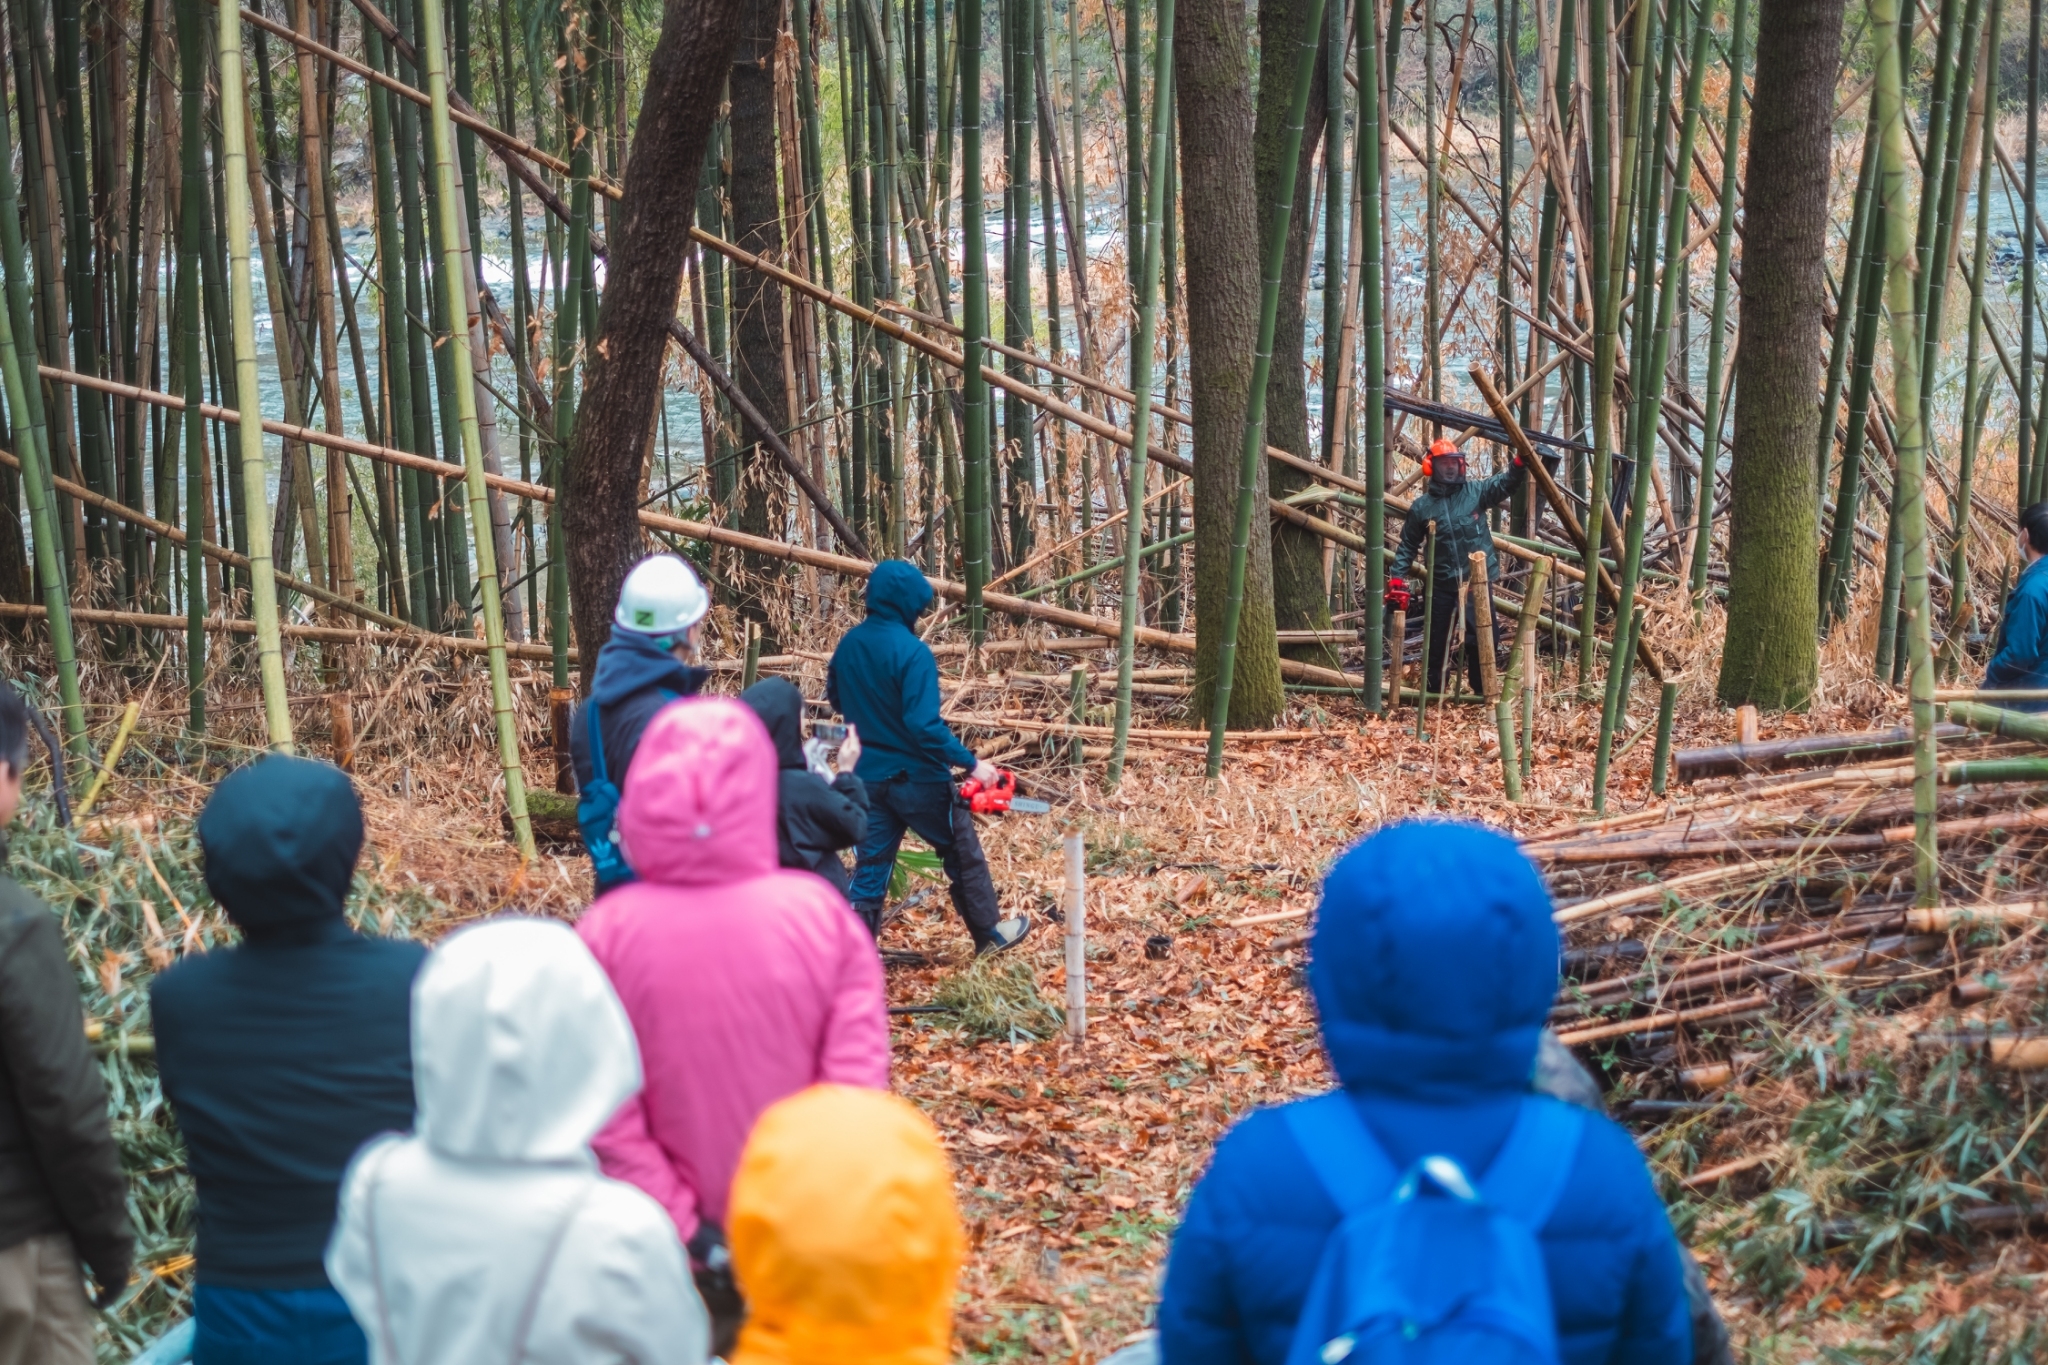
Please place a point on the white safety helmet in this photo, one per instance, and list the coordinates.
(661, 597)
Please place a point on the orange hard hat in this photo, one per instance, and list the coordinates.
(1443, 445)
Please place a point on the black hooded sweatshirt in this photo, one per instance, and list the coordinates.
(814, 818)
(284, 1054)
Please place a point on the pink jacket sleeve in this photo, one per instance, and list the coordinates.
(855, 1048)
(627, 1151)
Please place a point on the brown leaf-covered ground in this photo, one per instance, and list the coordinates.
(1074, 1159)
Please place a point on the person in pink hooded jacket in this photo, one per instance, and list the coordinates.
(745, 983)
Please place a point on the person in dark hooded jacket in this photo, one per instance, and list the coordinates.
(814, 819)
(280, 1057)
(1433, 965)
(884, 680)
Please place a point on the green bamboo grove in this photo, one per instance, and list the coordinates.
(303, 299)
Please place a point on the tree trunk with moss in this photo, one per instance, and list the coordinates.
(1220, 236)
(1771, 655)
(1299, 601)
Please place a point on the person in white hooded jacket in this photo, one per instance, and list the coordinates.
(488, 1235)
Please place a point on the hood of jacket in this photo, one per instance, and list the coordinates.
(781, 708)
(521, 1050)
(280, 839)
(898, 591)
(1434, 963)
(844, 1236)
(630, 663)
(699, 801)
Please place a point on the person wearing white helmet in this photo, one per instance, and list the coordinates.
(649, 661)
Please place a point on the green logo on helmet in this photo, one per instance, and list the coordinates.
(642, 617)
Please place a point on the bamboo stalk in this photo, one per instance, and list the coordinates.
(25, 409)
(1909, 495)
(974, 320)
(242, 314)
(1372, 300)
(452, 271)
(1141, 383)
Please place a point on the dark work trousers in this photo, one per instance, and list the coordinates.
(1445, 608)
(935, 812)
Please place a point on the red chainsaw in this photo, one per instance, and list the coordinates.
(999, 796)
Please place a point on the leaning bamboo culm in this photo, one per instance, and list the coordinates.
(1141, 377)
(451, 280)
(277, 714)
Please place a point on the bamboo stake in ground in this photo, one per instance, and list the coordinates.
(1519, 683)
(277, 714)
(472, 439)
(1254, 446)
(1077, 889)
(1489, 676)
(1141, 383)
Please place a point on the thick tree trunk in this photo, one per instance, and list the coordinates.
(1212, 80)
(1299, 601)
(1771, 655)
(650, 230)
(757, 301)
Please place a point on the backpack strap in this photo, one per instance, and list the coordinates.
(597, 768)
(1528, 1175)
(1352, 1166)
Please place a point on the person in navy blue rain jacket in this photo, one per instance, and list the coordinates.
(883, 679)
(1433, 964)
(2022, 658)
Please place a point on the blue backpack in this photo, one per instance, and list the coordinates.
(597, 810)
(1425, 1269)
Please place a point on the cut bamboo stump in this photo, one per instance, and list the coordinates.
(1077, 940)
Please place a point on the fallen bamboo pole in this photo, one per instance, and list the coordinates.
(216, 553)
(333, 635)
(1714, 1175)
(1665, 1019)
(1619, 900)
(1068, 728)
(1017, 607)
(1896, 836)
(1805, 751)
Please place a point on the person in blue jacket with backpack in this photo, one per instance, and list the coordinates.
(647, 662)
(1434, 1176)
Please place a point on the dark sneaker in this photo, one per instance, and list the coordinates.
(870, 913)
(1008, 933)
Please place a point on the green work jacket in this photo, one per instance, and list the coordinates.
(1460, 517)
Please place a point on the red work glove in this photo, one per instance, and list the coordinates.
(1397, 594)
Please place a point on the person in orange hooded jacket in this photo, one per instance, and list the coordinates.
(845, 1239)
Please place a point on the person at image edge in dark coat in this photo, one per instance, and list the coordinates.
(281, 1056)
(814, 818)
(63, 1199)
(1433, 966)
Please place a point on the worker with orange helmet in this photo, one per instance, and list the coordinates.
(1458, 509)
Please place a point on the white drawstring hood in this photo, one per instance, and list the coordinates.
(488, 1236)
